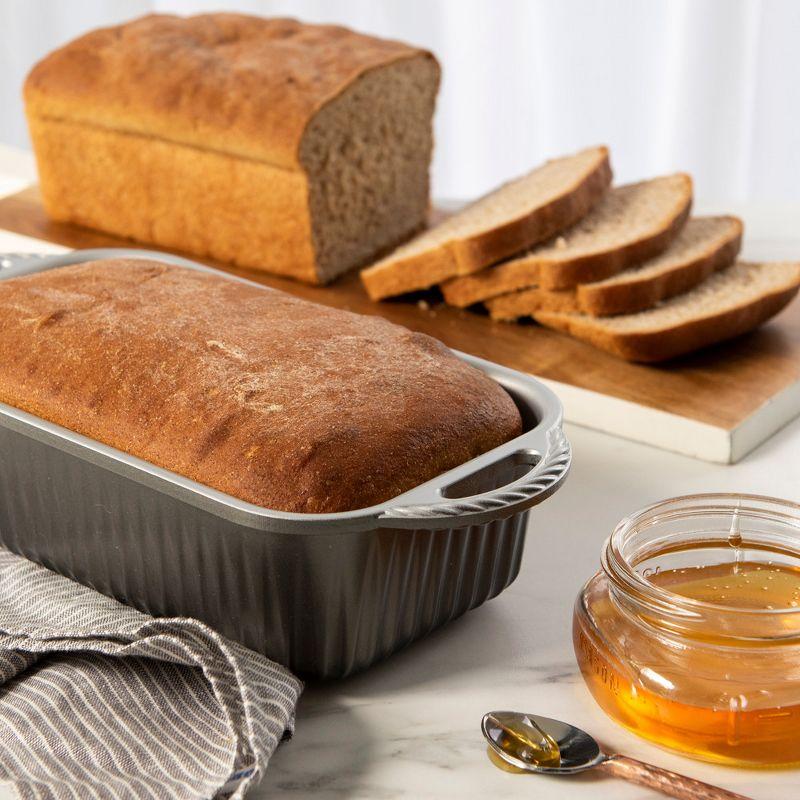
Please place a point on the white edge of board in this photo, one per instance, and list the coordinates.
(673, 432)
(778, 411)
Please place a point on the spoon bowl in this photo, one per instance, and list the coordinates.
(577, 750)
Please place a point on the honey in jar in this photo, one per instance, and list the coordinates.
(690, 633)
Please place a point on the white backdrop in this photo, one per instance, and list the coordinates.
(708, 86)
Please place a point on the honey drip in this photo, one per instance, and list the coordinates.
(735, 539)
(671, 697)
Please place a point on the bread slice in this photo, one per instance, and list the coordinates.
(523, 303)
(725, 305)
(704, 245)
(510, 219)
(631, 224)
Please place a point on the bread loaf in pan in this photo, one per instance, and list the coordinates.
(266, 397)
(298, 149)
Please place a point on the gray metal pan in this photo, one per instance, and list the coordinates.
(326, 594)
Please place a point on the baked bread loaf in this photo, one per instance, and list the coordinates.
(631, 224)
(298, 149)
(510, 219)
(704, 245)
(272, 399)
(729, 303)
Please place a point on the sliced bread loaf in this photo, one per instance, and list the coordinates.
(510, 219)
(297, 149)
(729, 303)
(704, 245)
(631, 224)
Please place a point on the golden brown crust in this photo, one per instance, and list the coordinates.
(239, 84)
(206, 203)
(509, 307)
(274, 400)
(470, 254)
(502, 279)
(420, 271)
(661, 345)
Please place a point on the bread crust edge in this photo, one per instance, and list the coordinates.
(628, 298)
(662, 345)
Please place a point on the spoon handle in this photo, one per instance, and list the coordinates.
(664, 781)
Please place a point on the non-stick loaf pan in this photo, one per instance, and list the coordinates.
(325, 594)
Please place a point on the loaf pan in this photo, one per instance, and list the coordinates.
(324, 594)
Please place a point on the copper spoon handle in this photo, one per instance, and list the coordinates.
(664, 781)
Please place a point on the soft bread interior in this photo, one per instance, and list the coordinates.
(367, 155)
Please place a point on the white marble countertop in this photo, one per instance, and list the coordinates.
(409, 727)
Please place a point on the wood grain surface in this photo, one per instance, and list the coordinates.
(721, 385)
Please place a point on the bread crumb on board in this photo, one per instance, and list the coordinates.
(424, 305)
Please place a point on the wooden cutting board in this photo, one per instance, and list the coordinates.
(717, 404)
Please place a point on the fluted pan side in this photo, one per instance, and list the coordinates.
(326, 604)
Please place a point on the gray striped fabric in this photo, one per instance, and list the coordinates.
(100, 701)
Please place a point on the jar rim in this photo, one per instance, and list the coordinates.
(623, 575)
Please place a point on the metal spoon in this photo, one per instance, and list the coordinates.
(540, 744)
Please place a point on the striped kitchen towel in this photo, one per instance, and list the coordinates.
(100, 701)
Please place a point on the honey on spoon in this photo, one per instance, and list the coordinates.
(521, 737)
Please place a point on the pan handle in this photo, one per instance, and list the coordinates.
(546, 474)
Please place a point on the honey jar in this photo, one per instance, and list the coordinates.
(689, 635)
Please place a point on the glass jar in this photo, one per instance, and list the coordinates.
(690, 633)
